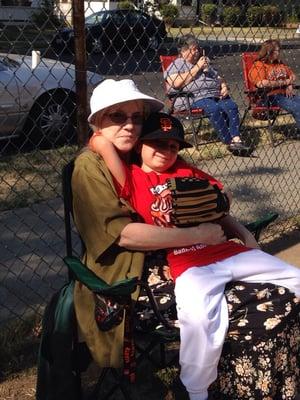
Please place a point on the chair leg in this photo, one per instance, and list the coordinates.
(120, 383)
(146, 353)
(271, 122)
(199, 126)
(162, 351)
(95, 393)
(194, 130)
(125, 387)
(270, 132)
(246, 112)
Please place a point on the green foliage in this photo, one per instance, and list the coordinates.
(292, 18)
(209, 13)
(273, 16)
(293, 13)
(233, 16)
(268, 15)
(126, 5)
(254, 16)
(169, 12)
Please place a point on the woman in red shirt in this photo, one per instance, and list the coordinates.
(271, 73)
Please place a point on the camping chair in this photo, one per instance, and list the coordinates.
(61, 356)
(62, 359)
(193, 115)
(254, 96)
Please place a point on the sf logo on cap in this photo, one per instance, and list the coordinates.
(165, 124)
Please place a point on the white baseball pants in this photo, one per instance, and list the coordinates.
(203, 315)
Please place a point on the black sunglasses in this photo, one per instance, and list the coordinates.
(119, 117)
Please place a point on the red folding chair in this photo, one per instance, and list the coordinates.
(194, 115)
(254, 96)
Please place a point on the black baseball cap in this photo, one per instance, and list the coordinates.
(163, 126)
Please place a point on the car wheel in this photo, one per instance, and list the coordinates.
(51, 120)
(154, 42)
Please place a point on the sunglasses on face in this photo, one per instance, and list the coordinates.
(120, 118)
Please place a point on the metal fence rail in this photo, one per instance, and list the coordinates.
(40, 128)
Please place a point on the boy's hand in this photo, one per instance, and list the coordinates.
(289, 91)
(98, 142)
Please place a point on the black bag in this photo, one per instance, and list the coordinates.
(109, 311)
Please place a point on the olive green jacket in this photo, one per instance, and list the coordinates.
(100, 216)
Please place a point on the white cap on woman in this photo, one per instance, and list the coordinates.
(110, 92)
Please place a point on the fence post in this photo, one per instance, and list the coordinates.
(80, 70)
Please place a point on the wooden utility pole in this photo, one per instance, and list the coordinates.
(80, 70)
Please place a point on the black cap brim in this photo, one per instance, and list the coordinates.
(157, 136)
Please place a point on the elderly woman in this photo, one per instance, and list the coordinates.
(114, 239)
(269, 72)
(192, 72)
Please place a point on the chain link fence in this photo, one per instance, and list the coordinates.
(43, 86)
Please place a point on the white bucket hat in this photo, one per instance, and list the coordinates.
(110, 92)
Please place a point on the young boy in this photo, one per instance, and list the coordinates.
(200, 272)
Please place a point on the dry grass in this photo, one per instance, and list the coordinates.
(248, 33)
(19, 386)
(27, 178)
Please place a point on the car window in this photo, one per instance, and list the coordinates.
(133, 17)
(118, 18)
(96, 18)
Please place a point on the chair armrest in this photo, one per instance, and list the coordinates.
(97, 285)
(180, 93)
(257, 91)
(160, 318)
(257, 226)
(264, 91)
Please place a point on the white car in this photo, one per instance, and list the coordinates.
(37, 103)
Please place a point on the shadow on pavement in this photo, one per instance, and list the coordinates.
(286, 247)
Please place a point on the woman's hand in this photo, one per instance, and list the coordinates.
(233, 229)
(228, 193)
(250, 241)
(289, 92)
(224, 92)
(202, 63)
(209, 233)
